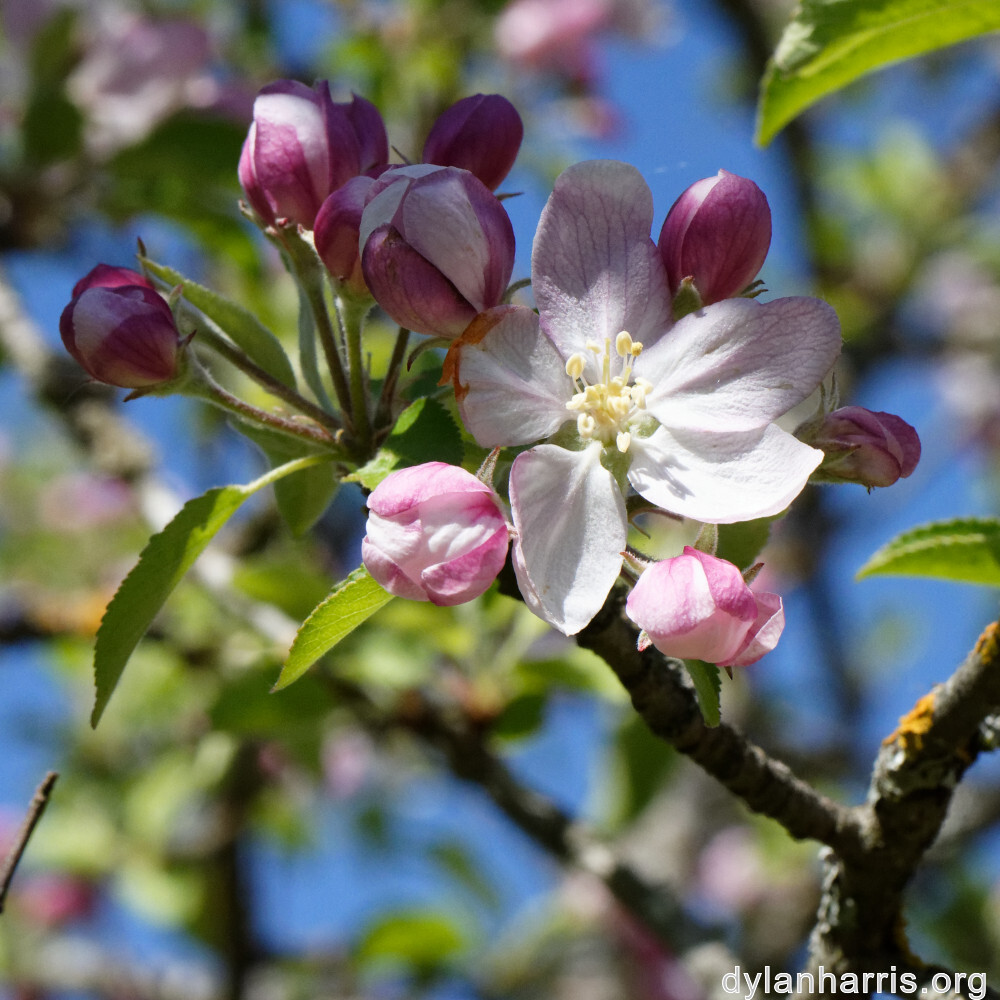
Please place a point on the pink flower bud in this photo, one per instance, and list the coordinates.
(437, 247)
(120, 330)
(696, 606)
(717, 233)
(435, 533)
(481, 134)
(301, 147)
(874, 449)
(338, 224)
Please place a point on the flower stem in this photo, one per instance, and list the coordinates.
(201, 385)
(351, 316)
(274, 386)
(383, 409)
(308, 271)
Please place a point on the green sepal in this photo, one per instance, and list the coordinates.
(708, 688)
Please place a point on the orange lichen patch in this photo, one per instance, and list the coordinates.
(914, 725)
(988, 644)
(472, 334)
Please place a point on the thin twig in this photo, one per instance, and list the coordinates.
(38, 803)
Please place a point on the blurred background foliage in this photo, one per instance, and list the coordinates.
(211, 839)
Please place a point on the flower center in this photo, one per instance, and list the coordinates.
(605, 409)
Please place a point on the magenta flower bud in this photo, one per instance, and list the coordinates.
(338, 224)
(121, 333)
(717, 234)
(437, 247)
(874, 449)
(301, 147)
(698, 607)
(481, 134)
(435, 533)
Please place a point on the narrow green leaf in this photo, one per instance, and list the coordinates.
(307, 352)
(830, 43)
(239, 324)
(708, 688)
(424, 432)
(168, 555)
(349, 604)
(965, 550)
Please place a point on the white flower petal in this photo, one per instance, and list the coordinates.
(510, 381)
(722, 478)
(570, 529)
(739, 364)
(595, 269)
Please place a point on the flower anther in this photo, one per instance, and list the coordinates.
(606, 409)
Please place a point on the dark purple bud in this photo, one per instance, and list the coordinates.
(717, 234)
(874, 449)
(120, 332)
(338, 224)
(437, 248)
(481, 134)
(301, 147)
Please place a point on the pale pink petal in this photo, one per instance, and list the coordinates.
(721, 478)
(510, 381)
(468, 575)
(595, 269)
(738, 364)
(570, 529)
(693, 606)
(764, 634)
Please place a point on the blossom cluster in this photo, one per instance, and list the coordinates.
(647, 370)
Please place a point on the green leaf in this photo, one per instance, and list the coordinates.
(424, 432)
(966, 550)
(307, 351)
(708, 688)
(424, 941)
(166, 558)
(301, 498)
(239, 324)
(349, 604)
(830, 43)
(741, 543)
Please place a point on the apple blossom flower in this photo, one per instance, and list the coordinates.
(338, 225)
(481, 134)
(874, 449)
(717, 234)
(682, 413)
(302, 146)
(437, 247)
(120, 330)
(435, 533)
(698, 607)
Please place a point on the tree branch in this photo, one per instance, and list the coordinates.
(913, 780)
(38, 803)
(662, 696)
